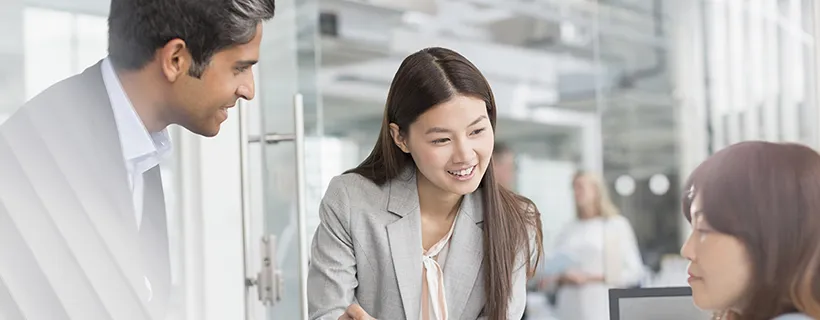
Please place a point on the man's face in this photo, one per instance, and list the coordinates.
(201, 105)
(504, 167)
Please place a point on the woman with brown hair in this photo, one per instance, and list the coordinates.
(754, 250)
(421, 229)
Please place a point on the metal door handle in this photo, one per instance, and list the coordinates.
(272, 138)
(299, 128)
(269, 280)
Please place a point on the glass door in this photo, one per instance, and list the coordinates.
(274, 182)
(326, 69)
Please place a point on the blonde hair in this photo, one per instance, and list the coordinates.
(605, 206)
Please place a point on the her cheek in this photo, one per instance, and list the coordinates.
(430, 155)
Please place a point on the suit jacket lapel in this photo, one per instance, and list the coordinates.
(109, 147)
(405, 240)
(466, 254)
(80, 137)
(103, 152)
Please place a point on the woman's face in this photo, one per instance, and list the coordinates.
(719, 269)
(585, 191)
(451, 144)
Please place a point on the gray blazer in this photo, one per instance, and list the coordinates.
(367, 250)
(69, 246)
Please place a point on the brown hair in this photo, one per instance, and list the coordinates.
(428, 78)
(606, 208)
(767, 195)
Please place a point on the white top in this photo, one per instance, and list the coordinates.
(598, 247)
(141, 151)
(433, 300)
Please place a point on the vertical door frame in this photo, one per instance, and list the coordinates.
(209, 177)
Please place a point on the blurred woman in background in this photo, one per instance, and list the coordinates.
(754, 250)
(599, 250)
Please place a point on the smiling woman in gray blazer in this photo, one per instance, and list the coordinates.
(420, 229)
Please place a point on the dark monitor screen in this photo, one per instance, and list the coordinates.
(672, 303)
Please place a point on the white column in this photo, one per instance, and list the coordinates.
(737, 72)
(209, 176)
(754, 70)
(815, 70)
(771, 77)
(718, 69)
(791, 83)
(687, 56)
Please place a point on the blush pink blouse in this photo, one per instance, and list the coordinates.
(433, 302)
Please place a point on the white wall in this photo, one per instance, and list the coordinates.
(549, 185)
(211, 208)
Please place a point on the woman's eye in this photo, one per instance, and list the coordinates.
(440, 141)
(477, 131)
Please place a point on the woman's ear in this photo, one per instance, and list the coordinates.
(398, 139)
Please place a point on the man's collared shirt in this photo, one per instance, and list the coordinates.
(141, 150)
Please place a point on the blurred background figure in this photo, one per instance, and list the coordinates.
(596, 252)
(504, 165)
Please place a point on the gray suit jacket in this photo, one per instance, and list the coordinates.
(367, 250)
(69, 246)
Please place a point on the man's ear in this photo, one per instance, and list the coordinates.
(398, 139)
(174, 59)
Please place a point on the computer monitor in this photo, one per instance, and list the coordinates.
(671, 303)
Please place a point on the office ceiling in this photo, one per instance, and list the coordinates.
(535, 53)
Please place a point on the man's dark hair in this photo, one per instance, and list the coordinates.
(137, 28)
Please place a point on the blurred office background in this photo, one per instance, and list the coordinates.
(639, 91)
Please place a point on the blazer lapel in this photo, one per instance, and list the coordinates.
(466, 254)
(109, 148)
(405, 240)
(80, 139)
(104, 153)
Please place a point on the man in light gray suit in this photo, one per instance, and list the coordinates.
(82, 216)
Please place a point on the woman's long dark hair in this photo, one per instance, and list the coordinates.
(428, 78)
(767, 195)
